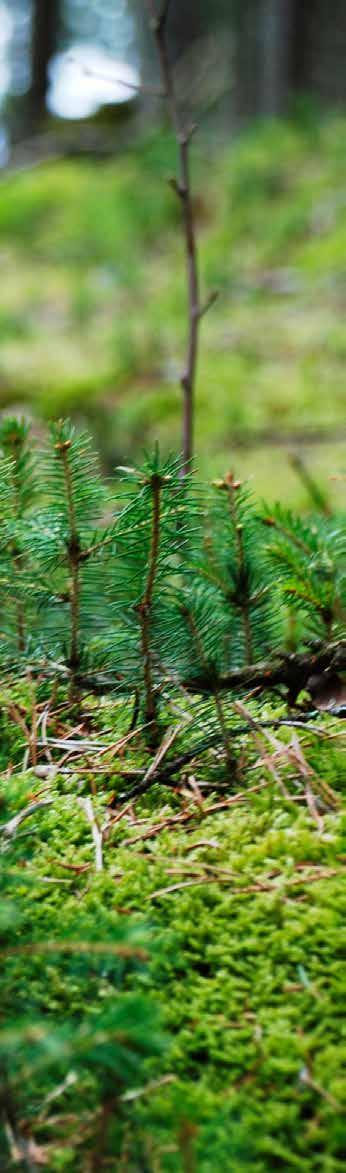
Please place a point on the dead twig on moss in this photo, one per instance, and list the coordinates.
(192, 813)
(9, 829)
(249, 889)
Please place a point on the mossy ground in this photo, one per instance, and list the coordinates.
(245, 966)
(94, 317)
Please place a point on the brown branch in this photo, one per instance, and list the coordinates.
(196, 638)
(250, 889)
(73, 552)
(244, 603)
(182, 187)
(144, 608)
(292, 670)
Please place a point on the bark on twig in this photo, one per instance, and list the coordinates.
(145, 606)
(292, 670)
(182, 187)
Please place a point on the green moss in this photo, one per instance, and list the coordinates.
(249, 980)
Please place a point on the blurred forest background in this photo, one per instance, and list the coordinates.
(93, 304)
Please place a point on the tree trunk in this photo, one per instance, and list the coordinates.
(275, 55)
(45, 19)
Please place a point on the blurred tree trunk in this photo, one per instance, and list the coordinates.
(276, 22)
(185, 22)
(267, 40)
(305, 13)
(246, 62)
(45, 21)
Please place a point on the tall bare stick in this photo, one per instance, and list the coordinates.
(182, 187)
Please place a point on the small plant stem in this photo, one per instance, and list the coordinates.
(145, 606)
(224, 730)
(182, 187)
(18, 563)
(109, 1108)
(245, 601)
(216, 695)
(20, 611)
(317, 496)
(74, 560)
(135, 711)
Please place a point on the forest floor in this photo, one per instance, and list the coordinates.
(232, 890)
(215, 902)
(93, 322)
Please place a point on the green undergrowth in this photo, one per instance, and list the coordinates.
(229, 996)
(95, 322)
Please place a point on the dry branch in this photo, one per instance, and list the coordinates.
(292, 670)
(250, 889)
(182, 187)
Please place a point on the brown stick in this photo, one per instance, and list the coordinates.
(217, 699)
(144, 608)
(74, 560)
(232, 487)
(291, 670)
(182, 187)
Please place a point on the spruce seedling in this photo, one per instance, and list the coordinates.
(69, 546)
(151, 535)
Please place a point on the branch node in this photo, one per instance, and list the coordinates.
(210, 301)
(176, 187)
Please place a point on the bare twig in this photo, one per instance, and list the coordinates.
(318, 497)
(9, 829)
(250, 889)
(185, 817)
(293, 671)
(182, 187)
(113, 79)
(166, 774)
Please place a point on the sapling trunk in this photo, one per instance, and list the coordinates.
(198, 644)
(145, 608)
(182, 187)
(79, 491)
(243, 599)
(74, 557)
